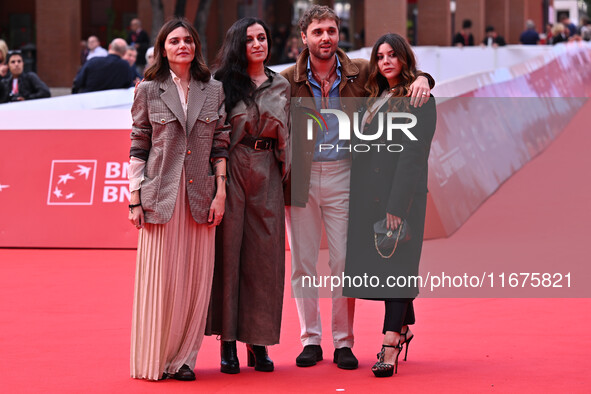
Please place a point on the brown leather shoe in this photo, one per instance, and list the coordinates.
(184, 373)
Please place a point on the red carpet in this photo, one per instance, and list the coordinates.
(65, 314)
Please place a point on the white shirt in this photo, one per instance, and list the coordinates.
(97, 52)
(179, 88)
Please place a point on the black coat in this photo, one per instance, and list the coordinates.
(395, 183)
(559, 38)
(3, 92)
(499, 40)
(103, 73)
(459, 39)
(143, 40)
(30, 86)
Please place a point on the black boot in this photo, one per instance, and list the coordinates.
(259, 358)
(229, 363)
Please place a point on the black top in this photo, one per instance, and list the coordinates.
(499, 40)
(103, 73)
(559, 38)
(30, 86)
(3, 92)
(143, 41)
(529, 37)
(460, 39)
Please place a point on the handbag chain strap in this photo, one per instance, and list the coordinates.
(375, 240)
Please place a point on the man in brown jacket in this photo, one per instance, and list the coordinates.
(318, 192)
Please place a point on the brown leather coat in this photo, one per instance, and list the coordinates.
(354, 73)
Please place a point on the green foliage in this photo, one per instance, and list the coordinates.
(112, 32)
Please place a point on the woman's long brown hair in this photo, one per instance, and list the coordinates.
(377, 83)
(160, 69)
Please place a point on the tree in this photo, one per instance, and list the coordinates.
(179, 8)
(201, 23)
(157, 17)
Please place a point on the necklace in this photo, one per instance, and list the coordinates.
(325, 83)
(328, 74)
(395, 86)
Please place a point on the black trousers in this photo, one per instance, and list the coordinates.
(399, 312)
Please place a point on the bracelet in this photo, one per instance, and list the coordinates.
(221, 176)
(131, 206)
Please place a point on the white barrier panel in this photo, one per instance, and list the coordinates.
(451, 63)
(488, 134)
(508, 71)
(450, 66)
(108, 99)
(63, 168)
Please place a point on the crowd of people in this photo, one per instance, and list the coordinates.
(16, 84)
(566, 30)
(563, 31)
(212, 220)
(121, 66)
(102, 69)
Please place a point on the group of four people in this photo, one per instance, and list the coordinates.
(205, 149)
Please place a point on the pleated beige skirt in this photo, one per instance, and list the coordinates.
(174, 271)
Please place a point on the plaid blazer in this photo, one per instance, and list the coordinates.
(168, 143)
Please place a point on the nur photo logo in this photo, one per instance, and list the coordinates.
(386, 126)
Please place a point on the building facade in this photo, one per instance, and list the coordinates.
(51, 31)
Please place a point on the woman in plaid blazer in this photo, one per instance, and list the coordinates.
(179, 143)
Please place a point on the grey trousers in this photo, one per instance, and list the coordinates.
(328, 204)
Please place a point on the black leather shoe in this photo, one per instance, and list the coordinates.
(345, 359)
(185, 373)
(259, 358)
(309, 356)
(229, 357)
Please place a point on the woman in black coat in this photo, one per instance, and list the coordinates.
(389, 184)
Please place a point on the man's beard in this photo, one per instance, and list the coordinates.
(318, 53)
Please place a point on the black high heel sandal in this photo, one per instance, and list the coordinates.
(229, 358)
(407, 341)
(259, 358)
(385, 370)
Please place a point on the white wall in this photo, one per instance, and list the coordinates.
(456, 71)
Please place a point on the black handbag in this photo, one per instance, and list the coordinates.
(386, 240)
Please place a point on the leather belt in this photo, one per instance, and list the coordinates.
(258, 143)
